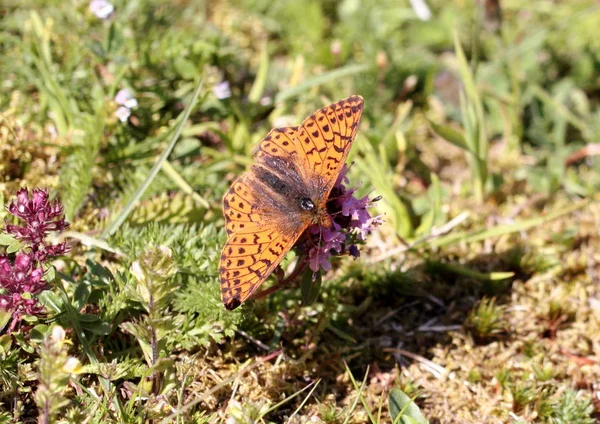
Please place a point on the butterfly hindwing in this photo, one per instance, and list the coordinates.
(245, 267)
(258, 237)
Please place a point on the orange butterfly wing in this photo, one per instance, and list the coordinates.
(262, 226)
(326, 138)
(258, 235)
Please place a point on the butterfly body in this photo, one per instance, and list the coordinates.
(268, 208)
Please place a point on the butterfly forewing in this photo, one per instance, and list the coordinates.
(326, 138)
(262, 214)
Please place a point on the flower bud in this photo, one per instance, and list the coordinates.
(72, 366)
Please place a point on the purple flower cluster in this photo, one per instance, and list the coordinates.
(41, 218)
(21, 278)
(20, 281)
(352, 222)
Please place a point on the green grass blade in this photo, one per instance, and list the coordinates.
(305, 399)
(359, 396)
(287, 399)
(472, 91)
(478, 235)
(450, 134)
(320, 80)
(261, 77)
(560, 109)
(483, 276)
(172, 173)
(376, 169)
(114, 226)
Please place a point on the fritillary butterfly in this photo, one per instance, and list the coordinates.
(269, 207)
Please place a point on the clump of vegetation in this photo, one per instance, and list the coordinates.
(486, 320)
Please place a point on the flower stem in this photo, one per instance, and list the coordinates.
(154, 346)
(302, 264)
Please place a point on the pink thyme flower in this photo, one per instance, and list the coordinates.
(22, 278)
(329, 239)
(20, 281)
(41, 218)
(222, 90)
(352, 222)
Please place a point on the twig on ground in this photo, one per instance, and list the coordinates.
(435, 232)
(436, 370)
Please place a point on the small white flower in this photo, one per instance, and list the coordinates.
(101, 8)
(336, 47)
(125, 98)
(123, 113)
(266, 101)
(166, 251)
(421, 9)
(222, 90)
(58, 334)
(72, 366)
(136, 270)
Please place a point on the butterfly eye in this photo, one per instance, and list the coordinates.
(306, 204)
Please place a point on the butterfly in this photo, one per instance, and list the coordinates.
(270, 206)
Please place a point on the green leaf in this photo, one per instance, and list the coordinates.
(403, 409)
(51, 300)
(82, 293)
(24, 344)
(88, 318)
(5, 343)
(50, 274)
(261, 77)
(4, 318)
(99, 328)
(450, 134)
(310, 286)
(7, 239)
(467, 77)
(14, 247)
(38, 333)
(185, 68)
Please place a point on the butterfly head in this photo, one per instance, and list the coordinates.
(319, 214)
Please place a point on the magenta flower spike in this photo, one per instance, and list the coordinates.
(352, 222)
(22, 278)
(18, 279)
(41, 218)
